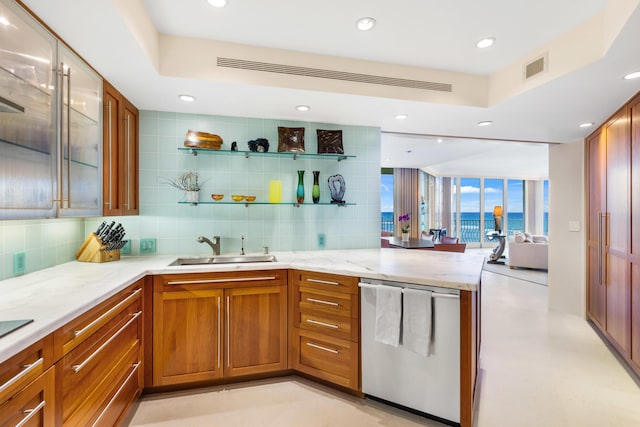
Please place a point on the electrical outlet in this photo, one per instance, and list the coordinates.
(19, 263)
(322, 240)
(126, 249)
(147, 246)
(574, 225)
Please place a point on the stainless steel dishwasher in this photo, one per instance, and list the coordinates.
(429, 385)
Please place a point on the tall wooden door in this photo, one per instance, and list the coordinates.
(635, 232)
(617, 230)
(596, 291)
(256, 330)
(187, 335)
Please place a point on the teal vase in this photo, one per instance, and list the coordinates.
(300, 190)
(315, 192)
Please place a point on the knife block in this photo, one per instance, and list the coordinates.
(92, 250)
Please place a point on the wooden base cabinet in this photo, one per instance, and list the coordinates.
(100, 372)
(213, 325)
(325, 327)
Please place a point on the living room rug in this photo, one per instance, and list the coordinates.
(527, 274)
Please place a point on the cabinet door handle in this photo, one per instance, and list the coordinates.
(319, 301)
(319, 347)
(108, 313)
(77, 368)
(110, 156)
(327, 325)
(68, 135)
(115, 396)
(228, 333)
(325, 282)
(25, 370)
(30, 413)
(219, 332)
(230, 279)
(128, 186)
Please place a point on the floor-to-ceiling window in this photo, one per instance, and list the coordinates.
(470, 210)
(515, 206)
(493, 196)
(386, 201)
(546, 207)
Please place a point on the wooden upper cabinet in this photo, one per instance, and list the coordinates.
(634, 113)
(120, 154)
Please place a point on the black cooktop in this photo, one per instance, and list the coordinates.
(8, 326)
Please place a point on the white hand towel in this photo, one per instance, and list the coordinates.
(416, 321)
(388, 314)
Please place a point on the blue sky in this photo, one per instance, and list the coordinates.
(470, 194)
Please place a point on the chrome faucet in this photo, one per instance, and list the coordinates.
(215, 245)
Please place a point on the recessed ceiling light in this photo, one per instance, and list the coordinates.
(485, 43)
(439, 140)
(365, 24)
(631, 76)
(4, 21)
(586, 125)
(408, 151)
(217, 3)
(485, 123)
(401, 116)
(303, 108)
(187, 98)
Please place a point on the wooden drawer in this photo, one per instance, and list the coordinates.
(328, 358)
(326, 302)
(24, 367)
(84, 369)
(327, 282)
(78, 330)
(218, 280)
(336, 326)
(110, 399)
(33, 406)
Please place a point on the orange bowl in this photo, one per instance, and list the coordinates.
(237, 197)
(249, 198)
(217, 197)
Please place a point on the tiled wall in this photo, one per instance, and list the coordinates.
(176, 226)
(281, 227)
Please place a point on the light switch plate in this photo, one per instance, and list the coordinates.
(147, 246)
(574, 225)
(322, 240)
(19, 263)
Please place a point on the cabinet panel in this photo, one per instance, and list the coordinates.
(187, 336)
(130, 197)
(635, 314)
(33, 406)
(256, 330)
(635, 232)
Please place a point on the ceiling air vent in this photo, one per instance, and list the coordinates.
(332, 75)
(535, 67)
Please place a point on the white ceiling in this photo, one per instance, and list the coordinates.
(582, 85)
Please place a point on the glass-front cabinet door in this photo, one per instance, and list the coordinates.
(50, 123)
(80, 136)
(27, 116)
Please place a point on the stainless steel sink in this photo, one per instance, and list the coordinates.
(240, 259)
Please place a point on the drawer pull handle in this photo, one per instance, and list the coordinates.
(328, 325)
(319, 301)
(219, 332)
(26, 369)
(77, 368)
(319, 347)
(108, 313)
(30, 413)
(229, 279)
(115, 396)
(324, 282)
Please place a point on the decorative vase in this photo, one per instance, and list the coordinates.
(300, 190)
(192, 196)
(405, 237)
(275, 191)
(315, 193)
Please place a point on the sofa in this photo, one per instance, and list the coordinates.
(528, 251)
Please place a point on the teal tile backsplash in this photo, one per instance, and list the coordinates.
(177, 226)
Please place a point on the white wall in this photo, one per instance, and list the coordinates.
(567, 279)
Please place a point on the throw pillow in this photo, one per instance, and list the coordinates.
(528, 238)
(518, 237)
(540, 239)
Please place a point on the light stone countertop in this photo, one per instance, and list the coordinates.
(56, 295)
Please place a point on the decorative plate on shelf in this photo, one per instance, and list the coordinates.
(330, 141)
(290, 140)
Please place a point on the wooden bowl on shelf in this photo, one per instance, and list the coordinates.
(217, 197)
(237, 197)
(250, 198)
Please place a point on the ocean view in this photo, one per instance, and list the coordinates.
(470, 224)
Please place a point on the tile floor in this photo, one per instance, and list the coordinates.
(538, 368)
